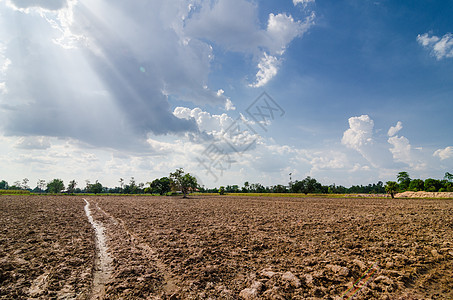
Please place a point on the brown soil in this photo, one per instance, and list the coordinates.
(234, 247)
(46, 248)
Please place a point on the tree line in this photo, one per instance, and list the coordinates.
(404, 183)
(179, 181)
(308, 185)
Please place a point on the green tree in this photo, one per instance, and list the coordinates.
(245, 189)
(71, 186)
(391, 187)
(95, 188)
(433, 185)
(3, 185)
(160, 186)
(279, 189)
(132, 187)
(183, 182)
(222, 190)
(257, 188)
(416, 185)
(55, 186)
(307, 185)
(404, 180)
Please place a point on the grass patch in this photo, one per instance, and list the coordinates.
(14, 192)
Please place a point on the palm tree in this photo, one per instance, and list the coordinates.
(391, 187)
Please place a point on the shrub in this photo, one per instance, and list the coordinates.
(222, 190)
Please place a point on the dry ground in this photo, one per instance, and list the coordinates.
(46, 248)
(228, 247)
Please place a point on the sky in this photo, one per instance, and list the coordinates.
(348, 92)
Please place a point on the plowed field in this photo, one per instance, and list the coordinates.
(227, 247)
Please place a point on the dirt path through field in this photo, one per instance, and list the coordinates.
(103, 262)
(169, 284)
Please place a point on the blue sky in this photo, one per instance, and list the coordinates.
(102, 90)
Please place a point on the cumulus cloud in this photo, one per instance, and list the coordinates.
(359, 133)
(401, 149)
(395, 129)
(403, 152)
(229, 105)
(205, 121)
(268, 68)
(440, 47)
(360, 137)
(282, 29)
(444, 153)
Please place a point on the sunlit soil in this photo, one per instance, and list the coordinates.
(226, 247)
(46, 248)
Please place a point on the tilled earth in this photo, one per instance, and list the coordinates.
(228, 247)
(46, 248)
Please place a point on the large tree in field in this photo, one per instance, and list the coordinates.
(404, 180)
(391, 187)
(55, 186)
(3, 185)
(183, 182)
(160, 186)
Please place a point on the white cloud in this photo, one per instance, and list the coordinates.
(205, 121)
(328, 160)
(426, 40)
(360, 137)
(282, 29)
(395, 129)
(268, 68)
(229, 105)
(357, 168)
(444, 153)
(401, 149)
(303, 2)
(360, 132)
(441, 47)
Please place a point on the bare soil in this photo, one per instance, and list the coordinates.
(46, 248)
(226, 247)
